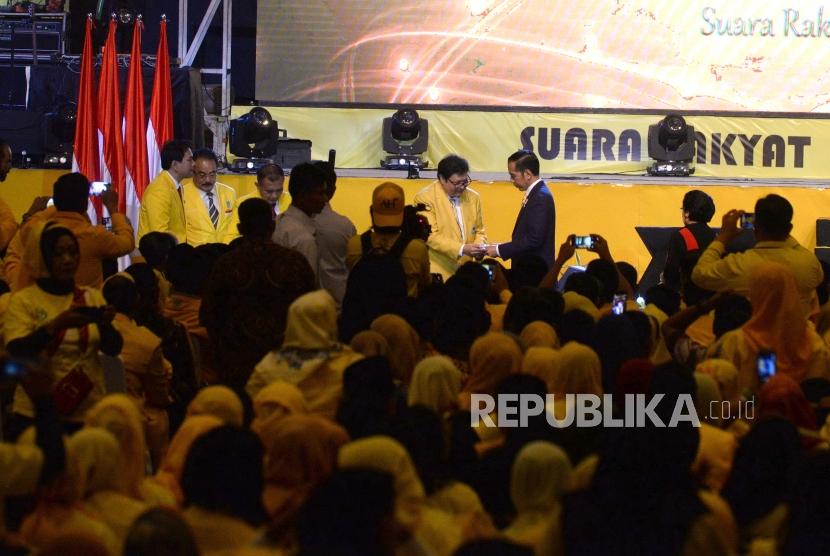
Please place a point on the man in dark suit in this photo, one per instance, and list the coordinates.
(536, 222)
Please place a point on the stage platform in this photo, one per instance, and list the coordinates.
(615, 206)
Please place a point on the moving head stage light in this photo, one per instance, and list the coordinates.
(253, 136)
(671, 143)
(405, 137)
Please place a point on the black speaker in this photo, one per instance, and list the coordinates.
(291, 152)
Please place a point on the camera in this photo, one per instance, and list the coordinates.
(618, 303)
(748, 221)
(583, 242)
(766, 365)
(416, 225)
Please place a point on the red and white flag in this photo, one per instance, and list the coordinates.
(86, 136)
(135, 143)
(110, 141)
(160, 126)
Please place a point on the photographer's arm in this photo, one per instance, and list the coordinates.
(566, 251)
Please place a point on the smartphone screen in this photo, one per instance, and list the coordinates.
(748, 221)
(766, 366)
(489, 268)
(98, 187)
(12, 369)
(583, 242)
(618, 304)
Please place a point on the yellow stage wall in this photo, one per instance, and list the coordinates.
(582, 208)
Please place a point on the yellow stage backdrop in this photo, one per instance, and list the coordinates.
(570, 143)
(582, 208)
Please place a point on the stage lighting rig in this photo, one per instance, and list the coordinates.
(59, 134)
(405, 137)
(671, 143)
(253, 136)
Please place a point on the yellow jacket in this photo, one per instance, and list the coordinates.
(446, 240)
(717, 271)
(8, 225)
(162, 209)
(200, 229)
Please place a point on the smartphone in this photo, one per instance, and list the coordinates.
(618, 303)
(766, 365)
(12, 369)
(583, 242)
(489, 268)
(748, 221)
(98, 187)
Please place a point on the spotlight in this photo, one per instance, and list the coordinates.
(249, 165)
(59, 133)
(253, 135)
(671, 143)
(405, 137)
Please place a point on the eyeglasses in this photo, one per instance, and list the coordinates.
(463, 183)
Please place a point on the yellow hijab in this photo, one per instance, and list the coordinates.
(725, 374)
(539, 476)
(435, 384)
(404, 345)
(381, 453)
(172, 466)
(312, 322)
(219, 401)
(275, 402)
(777, 322)
(542, 362)
(493, 358)
(576, 302)
(118, 414)
(99, 460)
(539, 334)
(579, 371)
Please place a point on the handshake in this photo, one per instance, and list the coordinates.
(479, 250)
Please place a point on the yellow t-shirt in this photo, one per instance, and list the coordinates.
(31, 308)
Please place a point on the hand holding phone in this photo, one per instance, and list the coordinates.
(583, 242)
(98, 187)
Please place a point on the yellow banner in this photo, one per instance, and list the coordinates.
(571, 143)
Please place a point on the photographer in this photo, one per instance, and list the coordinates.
(392, 234)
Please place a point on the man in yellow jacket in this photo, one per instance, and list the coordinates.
(270, 185)
(162, 206)
(454, 213)
(209, 206)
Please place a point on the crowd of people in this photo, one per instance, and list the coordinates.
(284, 385)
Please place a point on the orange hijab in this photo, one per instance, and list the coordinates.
(493, 358)
(172, 466)
(777, 321)
(300, 453)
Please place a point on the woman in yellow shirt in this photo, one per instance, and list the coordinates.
(65, 324)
